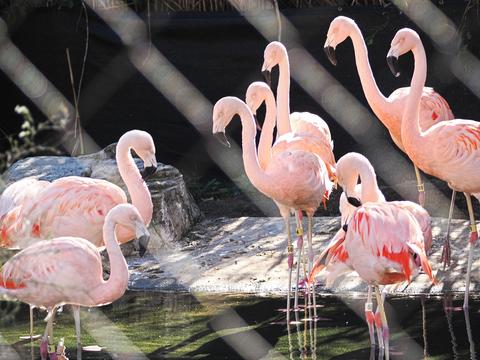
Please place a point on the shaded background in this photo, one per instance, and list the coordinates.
(221, 54)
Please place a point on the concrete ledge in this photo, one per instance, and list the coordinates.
(247, 255)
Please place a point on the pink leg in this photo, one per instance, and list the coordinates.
(421, 187)
(370, 317)
(473, 240)
(298, 216)
(384, 325)
(446, 246)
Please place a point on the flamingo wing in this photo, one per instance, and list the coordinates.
(20, 192)
(73, 206)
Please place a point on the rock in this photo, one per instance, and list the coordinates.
(174, 210)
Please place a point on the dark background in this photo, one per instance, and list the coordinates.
(221, 54)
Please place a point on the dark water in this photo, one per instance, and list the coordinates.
(181, 326)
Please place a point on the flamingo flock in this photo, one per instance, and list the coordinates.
(60, 226)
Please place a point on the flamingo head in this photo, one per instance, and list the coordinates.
(404, 41)
(142, 143)
(223, 112)
(347, 171)
(257, 93)
(128, 216)
(274, 53)
(340, 28)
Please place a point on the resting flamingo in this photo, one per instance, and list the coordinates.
(433, 107)
(259, 92)
(294, 179)
(384, 244)
(34, 210)
(449, 150)
(68, 270)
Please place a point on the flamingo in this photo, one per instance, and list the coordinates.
(33, 210)
(259, 92)
(433, 107)
(449, 150)
(294, 179)
(68, 270)
(384, 244)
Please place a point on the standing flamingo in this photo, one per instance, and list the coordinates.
(68, 270)
(34, 210)
(294, 179)
(433, 107)
(309, 127)
(384, 244)
(321, 145)
(449, 150)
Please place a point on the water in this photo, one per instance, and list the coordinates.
(149, 325)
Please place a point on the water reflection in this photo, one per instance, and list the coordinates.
(221, 326)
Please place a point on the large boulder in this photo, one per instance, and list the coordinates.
(174, 210)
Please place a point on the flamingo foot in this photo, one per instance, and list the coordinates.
(44, 349)
(446, 252)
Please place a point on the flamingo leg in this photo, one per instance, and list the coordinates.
(471, 244)
(446, 245)
(47, 345)
(310, 261)
(290, 263)
(383, 317)
(369, 316)
(421, 187)
(78, 331)
(299, 250)
(471, 341)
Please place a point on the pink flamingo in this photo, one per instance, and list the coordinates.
(68, 270)
(433, 107)
(384, 244)
(259, 92)
(33, 210)
(449, 150)
(76, 206)
(294, 179)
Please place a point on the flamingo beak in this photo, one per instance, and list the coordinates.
(149, 167)
(259, 128)
(267, 74)
(143, 237)
(354, 201)
(222, 138)
(392, 64)
(330, 52)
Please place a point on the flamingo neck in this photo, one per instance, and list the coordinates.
(137, 188)
(266, 136)
(370, 191)
(254, 172)
(283, 96)
(412, 136)
(117, 283)
(379, 104)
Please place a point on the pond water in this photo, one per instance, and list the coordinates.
(151, 325)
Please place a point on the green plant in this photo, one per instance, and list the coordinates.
(29, 140)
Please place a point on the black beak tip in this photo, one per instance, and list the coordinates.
(148, 171)
(222, 138)
(330, 52)
(268, 77)
(142, 247)
(354, 201)
(392, 65)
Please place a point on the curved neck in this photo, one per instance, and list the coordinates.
(254, 172)
(375, 98)
(137, 188)
(283, 97)
(266, 136)
(412, 136)
(117, 283)
(370, 191)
